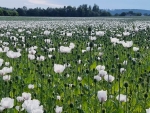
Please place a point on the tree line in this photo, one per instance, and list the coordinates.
(67, 11)
(130, 13)
(8, 12)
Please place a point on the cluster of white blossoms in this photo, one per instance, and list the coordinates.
(102, 95)
(12, 54)
(64, 49)
(5, 71)
(28, 104)
(126, 44)
(104, 74)
(32, 52)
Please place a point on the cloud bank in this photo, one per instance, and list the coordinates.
(44, 2)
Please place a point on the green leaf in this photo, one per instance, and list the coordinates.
(93, 66)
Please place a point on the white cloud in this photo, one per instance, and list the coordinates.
(44, 2)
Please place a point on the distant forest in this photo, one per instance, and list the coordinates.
(67, 11)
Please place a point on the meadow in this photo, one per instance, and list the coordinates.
(74, 65)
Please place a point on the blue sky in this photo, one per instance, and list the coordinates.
(103, 4)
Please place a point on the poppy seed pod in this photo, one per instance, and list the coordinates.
(113, 66)
(10, 82)
(145, 95)
(71, 105)
(65, 85)
(103, 110)
(78, 57)
(89, 30)
(138, 55)
(91, 44)
(119, 66)
(133, 62)
(16, 77)
(126, 84)
(43, 76)
(95, 80)
(49, 80)
(117, 56)
(54, 57)
(41, 65)
(80, 84)
(128, 55)
(113, 70)
(87, 71)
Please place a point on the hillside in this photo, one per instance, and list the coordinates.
(119, 11)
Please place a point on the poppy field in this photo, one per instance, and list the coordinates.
(74, 65)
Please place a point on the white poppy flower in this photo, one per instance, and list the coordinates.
(102, 73)
(64, 49)
(122, 98)
(148, 110)
(7, 102)
(58, 68)
(6, 77)
(58, 109)
(31, 86)
(26, 96)
(20, 99)
(58, 97)
(100, 67)
(109, 78)
(97, 78)
(135, 48)
(102, 95)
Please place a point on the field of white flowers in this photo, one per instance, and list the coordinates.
(74, 65)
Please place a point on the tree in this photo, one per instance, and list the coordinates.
(116, 14)
(21, 12)
(123, 14)
(67, 11)
(1, 12)
(138, 14)
(6, 13)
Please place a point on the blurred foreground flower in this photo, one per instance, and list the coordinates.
(148, 110)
